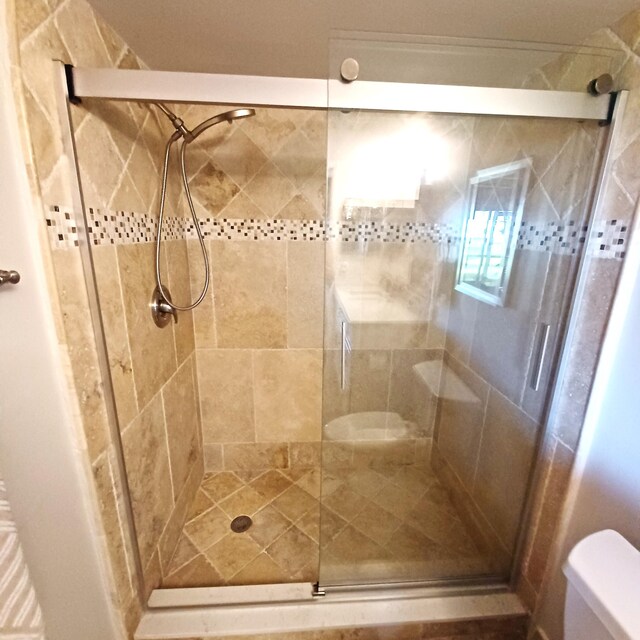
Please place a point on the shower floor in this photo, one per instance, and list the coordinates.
(393, 523)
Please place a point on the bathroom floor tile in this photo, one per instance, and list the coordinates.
(392, 522)
(272, 550)
(220, 485)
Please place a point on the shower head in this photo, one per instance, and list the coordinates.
(228, 116)
(236, 114)
(189, 136)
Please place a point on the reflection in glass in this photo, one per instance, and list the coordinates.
(489, 237)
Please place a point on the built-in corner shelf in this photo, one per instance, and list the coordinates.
(443, 383)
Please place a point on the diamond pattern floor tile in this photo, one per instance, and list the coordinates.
(393, 522)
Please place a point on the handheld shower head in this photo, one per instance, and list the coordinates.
(189, 136)
(162, 301)
(229, 116)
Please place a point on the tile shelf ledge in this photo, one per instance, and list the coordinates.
(443, 383)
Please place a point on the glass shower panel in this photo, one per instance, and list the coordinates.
(452, 249)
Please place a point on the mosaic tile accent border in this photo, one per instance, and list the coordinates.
(563, 238)
(566, 238)
(612, 236)
(120, 227)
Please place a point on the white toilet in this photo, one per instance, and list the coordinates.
(603, 590)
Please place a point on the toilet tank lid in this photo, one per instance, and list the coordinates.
(605, 570)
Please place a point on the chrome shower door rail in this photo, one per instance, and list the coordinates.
(309, 93)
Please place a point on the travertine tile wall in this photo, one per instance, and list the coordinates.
(258, 333)
(486, 448)
(120, 150)
(622, 191)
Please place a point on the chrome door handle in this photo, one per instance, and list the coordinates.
(543, 343)
(345, 351)
(9, 277)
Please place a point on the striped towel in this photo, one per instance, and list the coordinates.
(20, 615)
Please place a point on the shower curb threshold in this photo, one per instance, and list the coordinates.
(308, 614)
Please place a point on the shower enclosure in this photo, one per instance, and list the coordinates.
(359, 399)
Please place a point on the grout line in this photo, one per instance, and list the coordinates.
(50, 18)
(129, 562)
(128, 336)
(166, 439)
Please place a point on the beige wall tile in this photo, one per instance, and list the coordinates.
(460, 325)
(269, 128)
(78, 24)
(115, 328)
(183, 423)
(504, 464)
(243, 207)
(305, 454)
(28, 16)
(118, 119)
(386, 453)
(460, 423)
(254, 456)
(126, 195)
(270, 190)
(298, 208)
(110, 502)
(299, 158)
(81, 348)
(212, 457)
(101, 164)
(546, 518)
(147, 459)
(203, 315)
(43, 136)
(144, 162)
(181, 511)
(213, 188)
(249, 280)
(225, 378)
(288, 388)
(239, 157)
(504, 338)
(35, 56)
(114, 44)
(152, 349)
(591, 322)
(305, 292)
(152, 575)
(179, 285)
(314, 190)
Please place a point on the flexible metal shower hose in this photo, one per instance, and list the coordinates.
(163, 194)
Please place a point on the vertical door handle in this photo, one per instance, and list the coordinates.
(345, 349)
(541, 354)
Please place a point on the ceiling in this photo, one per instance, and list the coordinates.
(290, 37)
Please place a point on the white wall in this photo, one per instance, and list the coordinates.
(605, 485)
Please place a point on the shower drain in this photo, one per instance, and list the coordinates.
(241, 524)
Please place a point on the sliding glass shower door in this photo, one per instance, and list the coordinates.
(453, 244)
